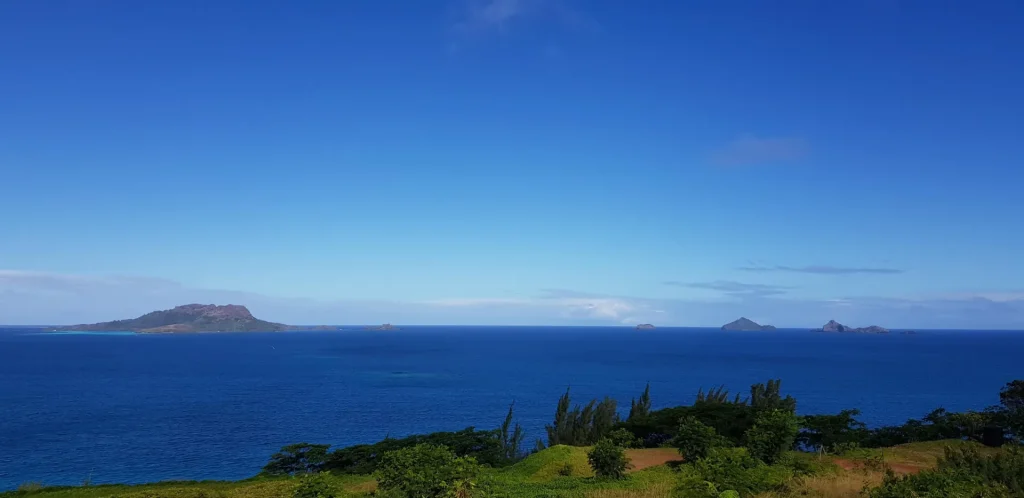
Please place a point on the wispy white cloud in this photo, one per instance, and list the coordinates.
(494, 14)
(498, 16)
(821, 269)
(749, 150)
(733, 288)
(566, 303)
(55, 298)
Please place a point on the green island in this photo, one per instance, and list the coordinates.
(723, 445)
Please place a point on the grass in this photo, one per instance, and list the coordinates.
(250, 488)
(857, 473)
(559, 471)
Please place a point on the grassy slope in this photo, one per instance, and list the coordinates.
(857, 472)
(538, 475)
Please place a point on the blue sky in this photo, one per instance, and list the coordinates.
(515, 161)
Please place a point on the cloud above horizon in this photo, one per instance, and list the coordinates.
(54, 299)
(821, 269)
(749, 150)
(489, 16)
(734, 289)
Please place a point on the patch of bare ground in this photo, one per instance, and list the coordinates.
(652, 457)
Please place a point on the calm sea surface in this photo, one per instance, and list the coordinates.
(135, 408)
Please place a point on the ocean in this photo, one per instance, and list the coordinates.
(137, 408)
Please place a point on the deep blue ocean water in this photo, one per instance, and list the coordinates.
(135, 408)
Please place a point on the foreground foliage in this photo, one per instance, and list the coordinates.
(732, 446)
(962, 472)
(608, 460)
(426, 471)
(540, 475)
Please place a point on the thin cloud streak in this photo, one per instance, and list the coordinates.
(752, 151)
(733, 288)
(53, 298)
(488, 16)
(822, 269)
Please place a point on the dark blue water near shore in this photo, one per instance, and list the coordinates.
(134, 408)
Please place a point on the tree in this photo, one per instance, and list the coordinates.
(1011, 397)
(511, 442)
(313, 486)
(560, 430)
(768, 397)
(581, 426)
(774, 432)
(426, 471)
(694, 439)
(300, 458)
(485, 446)
(605, 417)
(827, 431)
(608, 460)
(642, 408)
(625, 439)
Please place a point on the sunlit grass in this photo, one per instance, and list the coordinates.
(560, 471)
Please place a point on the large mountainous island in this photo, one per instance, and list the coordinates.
(187, 318)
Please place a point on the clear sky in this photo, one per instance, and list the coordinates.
(515, 161)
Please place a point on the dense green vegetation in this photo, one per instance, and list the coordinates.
(724, 445)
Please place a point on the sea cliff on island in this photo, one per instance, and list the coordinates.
(745, 324)
(645, 326)
(834, 326)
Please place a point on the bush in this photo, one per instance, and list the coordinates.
(733, 469)
(608, 460)
(774, 432)
(844, 448)
(938, 484)
(30, 487)
(962, 472)
(313, 486)
(426, 471)
(807, 464)
(625, 439)
(300, 458)
(484, 446)
(695, 439)
(656, 440)
(565, 470)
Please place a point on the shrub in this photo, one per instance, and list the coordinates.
(30, 487)
(313, 486)
(844, 448)
(733, 469)
(695, 439)
(962, 472)
(623, 438)
(656, 440)
(565, 470)
(938, 484)
(300, 458)
(426, 471)
(485, 446)
(807, 464)
(774, 432)
(608, 460)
